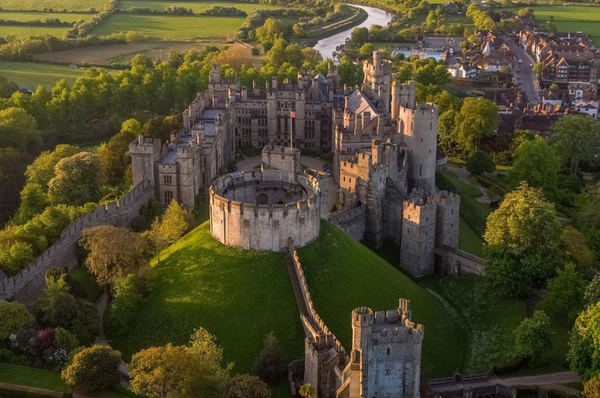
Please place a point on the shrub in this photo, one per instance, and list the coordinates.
(269, 365)
(93, 369)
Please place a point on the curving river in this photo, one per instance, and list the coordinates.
(376, 16)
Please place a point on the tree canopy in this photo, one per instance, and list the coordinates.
(536, 163)
(14, 317)
(577, 139)
(93, 368)
(77, 180)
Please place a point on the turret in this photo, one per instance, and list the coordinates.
(145, 152)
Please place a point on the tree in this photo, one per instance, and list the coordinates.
(93, 369)
(308, 391)
(126, 301)
(576, 138)
(63, 339)
(33, 202)
(533, 337)
(174, 223)
(18, 130)
(246, 386)
(523, 241)
(537, 164)
(366, 51)
(446, 133)
(349, 73)
(588, 206)
(77, 180)
(41, 170)
(577, 250)
(194, 370)
(584, 347)
(114, 155)
(476, 120)
(15, 256)
(14, 317)
(591, 388)
(269, 365)
(565, 293)
(113, 252)
(592, 291)
(7, 87)
(480, 162)
(12, 178)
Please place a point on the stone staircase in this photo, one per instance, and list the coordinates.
(302, 304)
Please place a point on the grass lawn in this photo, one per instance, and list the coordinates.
(33, 16)
(171, 27)
(571, 18)
(21, 32)
(237, 295)
(469, 240)
(342, 274)
(31, 377)
(490, 320)
(32, 74)
(57, 5)
(198, 6)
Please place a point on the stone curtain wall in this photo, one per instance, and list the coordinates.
(458, 262)
(351, 219)
(119, 213)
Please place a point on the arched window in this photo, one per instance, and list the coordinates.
(168, 197)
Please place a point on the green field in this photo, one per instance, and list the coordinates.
(32, 74)
(57, 5)
(570, 18)
(342, 274)
(31, 377)
(197, 6)
(41, 16)
(171, 27)
(469, 240)
(238, 295)
(21, 32)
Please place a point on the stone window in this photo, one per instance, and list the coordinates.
(388, 350)
(168, 197)
(167, 180)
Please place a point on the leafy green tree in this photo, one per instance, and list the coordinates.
(269, 365)
(366, 51)
(18, 130)
(127, 299)
(584, 344)
(246, 386)
(12, 179)
(523, 241)
(533, 337)
(349, 73)
(113, 252)
(93, 369)
(7, 87)
(77, 180)
(65, 340)
(14, 257)
(174, 222)
(308, 391)
(33, 202)
(14, 317)
(537, 164)
(480, 162)
(41, 171)
(194, 370)
(447, 139)
(476, 120)
(592, 291)
(114, 156)
(576, 138)
(565, 294)
(588, 206)
(577, 249)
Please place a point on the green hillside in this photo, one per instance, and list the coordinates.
(342, 274)
(237, 295)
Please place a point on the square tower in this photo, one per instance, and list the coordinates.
(418, 237)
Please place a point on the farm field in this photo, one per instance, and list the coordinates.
(32, 74)
(343, 274)
(572, 18)
(104, 55)
(32, 16)
(197, 6)
(57, 5)
(237, 295)
(171, 27)
(25, 31)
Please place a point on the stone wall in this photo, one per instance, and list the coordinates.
(63, 251)
(351, 219)
(458, 262)
(264, 227)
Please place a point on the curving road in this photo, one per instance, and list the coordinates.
(528, 81)
(327, 45)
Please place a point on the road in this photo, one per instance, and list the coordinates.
(528, 79)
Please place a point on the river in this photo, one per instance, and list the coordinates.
(376, 16)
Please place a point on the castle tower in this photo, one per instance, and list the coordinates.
(377, 80)
(447, 219)
(144, 153)
(386, 353)
(299, 121)
(215, 74)
(403, 95)
(417, 243)
(186, 174)
(419, 129)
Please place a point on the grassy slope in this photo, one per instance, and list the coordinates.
(197, 6)
(172, 27)
(59, 5)
(343, 274)
(31, 377)
(469, 240)
(38, 74)
(491, 320)
(237, 295)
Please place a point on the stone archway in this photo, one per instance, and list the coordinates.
(262, 199)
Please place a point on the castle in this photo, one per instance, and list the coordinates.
(384, 145)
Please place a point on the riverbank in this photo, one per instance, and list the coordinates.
(320, 33)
